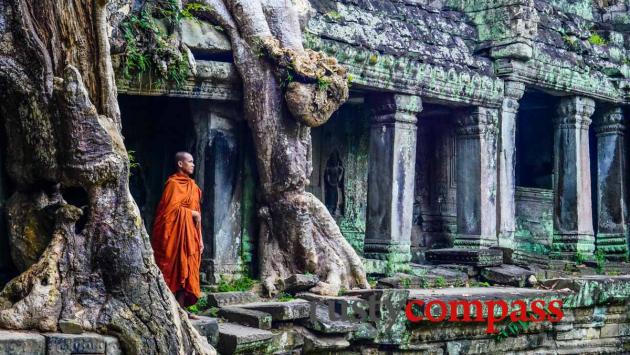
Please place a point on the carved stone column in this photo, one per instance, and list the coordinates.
(573, 216)
(506, 220)
(391, 176)
(218, 172)
(477, 178)
(612, 219)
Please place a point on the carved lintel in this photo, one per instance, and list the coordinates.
(610, 122)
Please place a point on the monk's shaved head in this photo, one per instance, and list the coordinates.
(180, 156)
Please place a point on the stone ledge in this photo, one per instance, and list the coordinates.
(474, 257)
(14, 343)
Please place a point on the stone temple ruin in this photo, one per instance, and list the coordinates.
(483, 136)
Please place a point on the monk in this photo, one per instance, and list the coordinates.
(176, 236)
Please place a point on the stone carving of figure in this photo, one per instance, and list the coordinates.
(333, 179)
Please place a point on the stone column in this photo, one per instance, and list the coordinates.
(218, 172)
(477, 178)
(573, 217)
(391, 175)
(612, 233)
(506, 220)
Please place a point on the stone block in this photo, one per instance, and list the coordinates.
(208, 327)
(18, 343)
(473, 257)
(222, 299)
(315, 343)
(238, 339)
(507, 275)
(322, 323)
(201, 36)
(281, 311)
(70, 327)
(286, 340)
(300, 282)
(248, 317)
(87, 343)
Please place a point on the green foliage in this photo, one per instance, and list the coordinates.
(213, 311)
(372, 281)
(284, 297)
(579, 258)
(440, 282)
(322, 84)
(342, 291)
(201, 305)
(287, 79)
(192, 8)
(597, 40)
(133, 163)
(600, 258)
(350, 79)
(405, 282)
(483, 284)
(517, 328)
(244, 283)
(373, 59)
(150, 50)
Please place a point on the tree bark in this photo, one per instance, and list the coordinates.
(298, 235)
(66, 155)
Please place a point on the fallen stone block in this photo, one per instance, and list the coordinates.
(300, 282)
(507, 275)
(70, 327)
(248, 317)
(286, 340)
(223, 299)
(17, 343)
(280, 311)
(322, 323)
(314, 343)
(238, 339)
(86, 343)
(208, 327)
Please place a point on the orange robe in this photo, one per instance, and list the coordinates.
(175, 239)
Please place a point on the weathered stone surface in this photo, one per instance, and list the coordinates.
(70, 327)
(474, 257)
(280, 311)
(300, 282)
(248, 317)
(441, 278)
(208, 327)
(87, 343)
(589, 291)
(313, 342)
(286, 340)
(322, 322)
(202, 37)
(222, 299)
(18, 343)
(507, 275)
(238, 339)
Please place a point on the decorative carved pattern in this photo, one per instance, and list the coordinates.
(480, 121)
(575, 112)
(611, 122)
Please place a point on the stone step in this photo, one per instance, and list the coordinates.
(287, 340)
(317, 343)
(435, 278)
(244, 316)
(474, 257)
(238, 339)
(223, 299)
(86, 343)
(321, 322)
(208, 327)
(14, 342)
(281, 311)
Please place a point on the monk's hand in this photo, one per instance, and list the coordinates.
(196, 218)
(201, 247)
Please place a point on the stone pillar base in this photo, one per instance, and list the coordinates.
(474, 257)
(567, 246)
(614, 246)
(212, 271)
(474, 241)
(396, 256)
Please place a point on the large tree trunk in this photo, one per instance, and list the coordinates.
(66, 156)
(298, 235)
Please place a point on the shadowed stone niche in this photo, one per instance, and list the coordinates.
(219, 174)
(573, 219)
(391, 176)
(612, 219)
